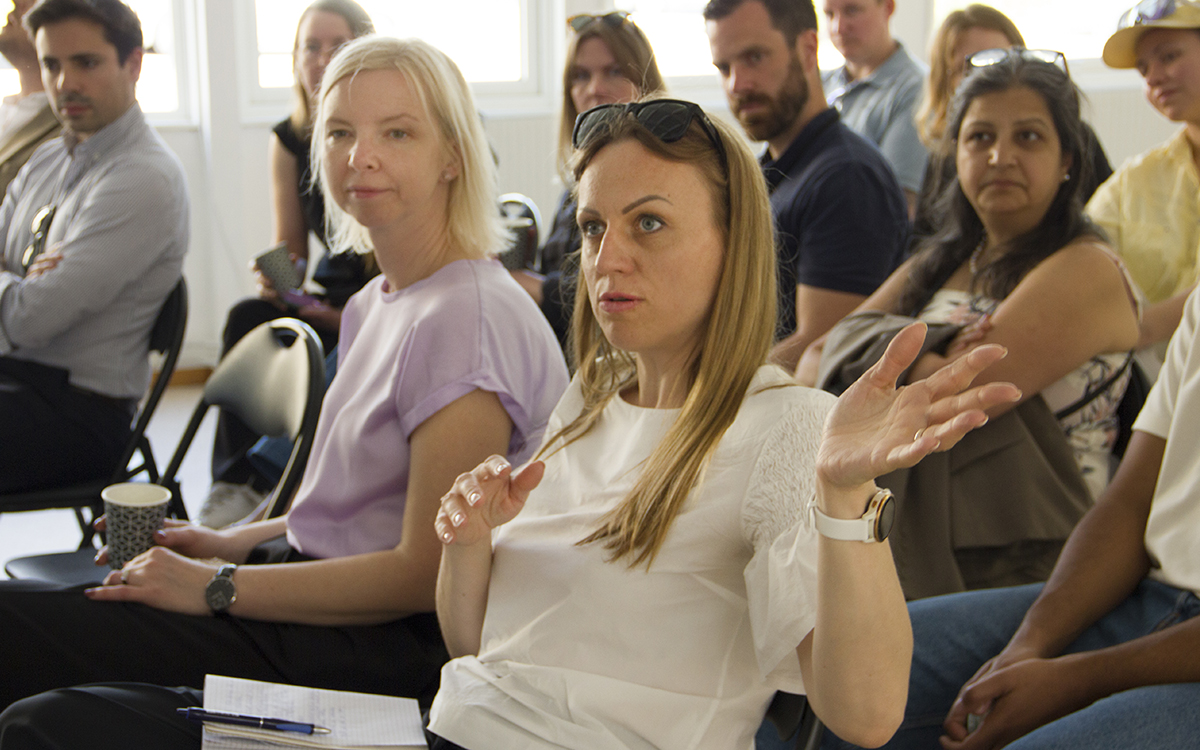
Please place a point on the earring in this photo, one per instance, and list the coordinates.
(446, 176)
(1066, 177)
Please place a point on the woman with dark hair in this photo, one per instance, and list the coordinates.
(297, 210)
(609, 61)
(964, 32)
(1016, 262)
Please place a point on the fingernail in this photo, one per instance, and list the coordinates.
(447, 536)
(474, 497)
(457, 519)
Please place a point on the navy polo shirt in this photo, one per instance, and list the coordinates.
(841, 221)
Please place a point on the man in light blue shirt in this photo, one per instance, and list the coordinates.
(94, 230)
(876, 91)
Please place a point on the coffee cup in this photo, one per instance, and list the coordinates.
(133, 512)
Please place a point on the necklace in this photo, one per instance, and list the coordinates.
(973, 261)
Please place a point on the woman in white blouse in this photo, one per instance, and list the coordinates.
(659, 574)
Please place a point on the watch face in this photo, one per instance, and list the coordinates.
(885, 518)
(220, 593)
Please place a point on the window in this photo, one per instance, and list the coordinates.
(161, 82)
(488, 39)
(1078, 30)
(675, 29)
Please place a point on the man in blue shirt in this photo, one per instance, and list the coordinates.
(840, 216)
(876, 91)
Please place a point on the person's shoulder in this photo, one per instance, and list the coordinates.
(847, 150)
(144, 154)
(481, 294)
(1169, 156)
(1086, 263)
(775, 397)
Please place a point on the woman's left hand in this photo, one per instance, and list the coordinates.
(161, 579)
(876, 427)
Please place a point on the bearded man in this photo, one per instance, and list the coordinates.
(840, 216)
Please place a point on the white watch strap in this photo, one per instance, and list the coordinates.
(861, 529)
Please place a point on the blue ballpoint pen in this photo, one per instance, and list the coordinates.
(259, 722)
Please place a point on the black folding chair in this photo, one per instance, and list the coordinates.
(273, 379)
(791, 716)
(166, 338)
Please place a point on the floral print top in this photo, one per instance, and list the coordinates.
(1091, 430)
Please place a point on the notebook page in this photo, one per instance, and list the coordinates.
(357, 720)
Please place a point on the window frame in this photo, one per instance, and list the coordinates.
(534, 92)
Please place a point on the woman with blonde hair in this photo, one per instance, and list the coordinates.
(443, 362)
(609, 61)
(688, 542)
(297, 211)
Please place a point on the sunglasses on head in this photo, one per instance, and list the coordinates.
(984, 58)
(1149, 11)
(580, 22)
(666, 119)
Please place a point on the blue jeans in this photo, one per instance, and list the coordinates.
(955, 634)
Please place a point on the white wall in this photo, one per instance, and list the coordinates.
(226, 163)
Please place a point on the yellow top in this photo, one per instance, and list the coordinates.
(1150, 209)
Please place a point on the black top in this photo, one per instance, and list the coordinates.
(560, 263)
(841, 220)
(342, 274)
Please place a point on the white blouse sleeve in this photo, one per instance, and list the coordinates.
(781, 578)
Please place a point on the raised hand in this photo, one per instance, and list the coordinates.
(876, 427)
(487, 497)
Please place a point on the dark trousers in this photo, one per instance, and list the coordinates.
(117, 716)
(53, 637)
(114, 716)
(233, 436)
(53, 434)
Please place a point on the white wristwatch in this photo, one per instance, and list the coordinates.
(873, 526)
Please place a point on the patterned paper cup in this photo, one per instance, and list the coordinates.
(134, 512)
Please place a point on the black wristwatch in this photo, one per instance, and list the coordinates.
(221, 590)
(874, 525)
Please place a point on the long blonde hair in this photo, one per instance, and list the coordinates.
(472, 216)
(931, 114)
(633, 54)
(733, 346)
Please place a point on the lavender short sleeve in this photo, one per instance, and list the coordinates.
(410, 353)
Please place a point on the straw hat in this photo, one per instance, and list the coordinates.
(1120, 51)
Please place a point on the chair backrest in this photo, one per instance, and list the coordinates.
(793, 717)
(166, 338)
(273, 379)
(524, 224)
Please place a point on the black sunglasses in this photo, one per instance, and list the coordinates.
(40, 227)
(666, 119)
(580, 22)
(984, 58)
